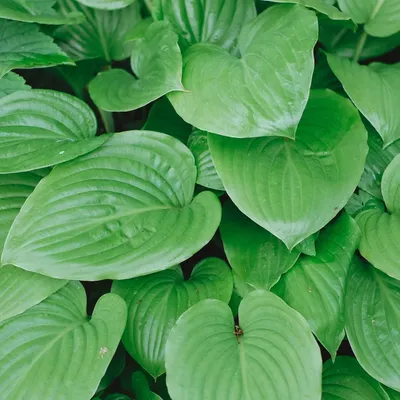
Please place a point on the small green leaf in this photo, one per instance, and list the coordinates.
(104, 34)
(107, 4)
(23, 46)
(362, 201)
(141, 387)
(132, 198)
(344, 379)
(375, 90)
(40, 128)
(272, 355)
(294, 188)
(315, 286)
(256, 256)
(391, 186)
(155, 302)
(381, 17)
(307, 246)
(11, 83)
(54, 346)
(372, 322)
(264, 92)
(206, 173)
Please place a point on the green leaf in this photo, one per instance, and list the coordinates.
(163, 118)
(54, 346)
(294, 188)
(206, 21)
(264, 92)
(107, 4)
(307, 246)
(379, 240)
(141, 387)
(40, 128)
(155, 302)
(11, 83)
(345, 379)
(273, 356)
(256, 256)
(114, 370)
(381, 17)
(372, 322)
(318, 5)
(315, 286)
(362, 201)
(393, 395)
(137, 194)
(104, 34)
(41, 12)
(375, 90)
(23, 46)
(156, 61)
(391, 186)
(115, 396)
(206, 173)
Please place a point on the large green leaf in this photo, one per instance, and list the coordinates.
(141, 387)
(273, 356)
(257, 257)
(104, 34)
(380, 244)
(381, 17)
(11, 83)
(54, 351)
(373, 322)
(155, 302)
(39, 128)
(375, 90)
(391, 186)
(315, 286)
(41, 12)
(346, 380)
(264, 92)
(212, 21)
(23, 46)
(294, 188)
(156, 61)
(107, 4)
(131, 199)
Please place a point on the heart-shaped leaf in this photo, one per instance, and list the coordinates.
(257, 257)
(272, 355)
(212, 21)
(23, 46)
(54, 347)
(391, 186)
(155, 302)
(141, 387)
(375, 90)
(344, 379)
(131, 198)
(39, 128)
(264, 92)
(294, 188)
(104, 34)
(381, 18)
(107, 4)
(11, 83)
(315, 286)
(372, 322)
(156, 61)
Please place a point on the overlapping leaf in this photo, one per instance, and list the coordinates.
(141, 387)
(391, 186)
(107, 4)
(11, 83)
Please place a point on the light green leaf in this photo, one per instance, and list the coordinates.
(206, 21)
(104, 34)
(315, 286)
(294, 188)
(141, 387)
(11, 83)
(53, 348)
(372, 322)
(307, 246)
(107, 4)
(241, 287)
(375, 90)
(40, 128)
(156, 61)
(379, 240)
(23, 46)
(155, 302)
(206, 173)
(362, 201)
(264, 92)
(273, 356)
(137, 192)
(318, 5)
(345, 379)
(41, 12)
(256, 256)
(391, 186)
(381, 17)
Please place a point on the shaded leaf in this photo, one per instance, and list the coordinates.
(141, 387)
(11, 83)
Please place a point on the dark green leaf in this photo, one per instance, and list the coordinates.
(141, 387)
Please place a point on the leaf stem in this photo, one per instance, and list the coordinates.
(360, 46)
(108, 120)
